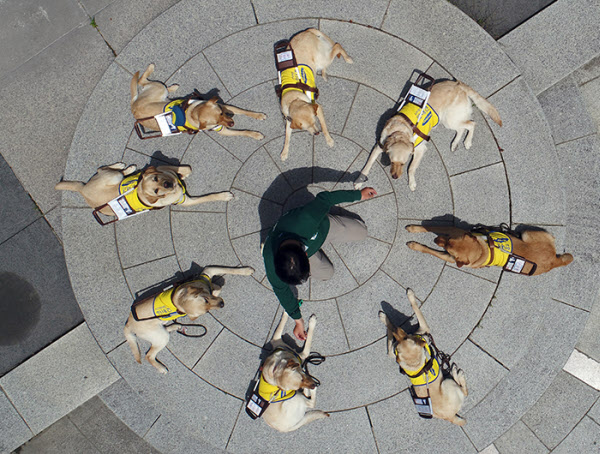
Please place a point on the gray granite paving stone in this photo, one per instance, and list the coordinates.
(352, 11)
(589, 342)
(483, 372)
(560, 409)
(360, 308)
(402, 262)
(397, 426)
(94, 6)
(53, 218)
(247, 248)
(378, 177)
(364, 258)
(588, 72)
(342, 281)
(367, 46)
(470, 53)
(566, 111)
(529, 156)
(481, 196)
(594, 412)
(297, 169)
(167, 437)
(375, 213)
(365, 121)
(330, 163)
(321, 436)
(57, 86)
(445, 306)
(130, 231)
(104, 127)
(173, 147)
(260, 98)
(483, 152)
(543, 62)
(153, 275)
(584, 438)
(509, 400)
(590, 93)
(246, 59)
(129, 407)
(120, 22)
(180, 395)
(197, 26)
(260, 177)
(330, 335)
(358, 370)
(37, 387)
(520, 439)
(99, 283)
(29, 27)
(189, 350)
(201, 238)
(336, 96)
(511, 320)
(242, 216)
(13, 429)
(234, 374)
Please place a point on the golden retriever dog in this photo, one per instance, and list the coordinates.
(291, 391)
(451, 101)
(314, 51)
(412, 353)
(490, 248)
(156, 187)
(196, 114)
(153, 315)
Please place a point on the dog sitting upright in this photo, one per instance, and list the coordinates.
(154, 187)
(314, 51)
(282, 382)
(450, 104)
(532, 254)
(420, 361)
(194, 298)
(189, 115)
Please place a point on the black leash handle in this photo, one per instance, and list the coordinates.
(183, 332)
(313, 358)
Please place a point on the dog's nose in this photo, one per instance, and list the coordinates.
(317, 133)
(230, 124)
(222, 304)
(168, 184)
(394, 176)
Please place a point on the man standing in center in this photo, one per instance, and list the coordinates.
(292, 250)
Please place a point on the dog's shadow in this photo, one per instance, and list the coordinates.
(451, 220)
(399, 319)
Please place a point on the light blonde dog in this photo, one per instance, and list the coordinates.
(452, 102)
(447, 395)
(283, 370)
(200, 115)
(193, 299)
(316, 50)
(158, 187)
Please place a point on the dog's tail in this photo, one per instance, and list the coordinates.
(133, 86)
(76, 186)
(482, 104)
(132, 341)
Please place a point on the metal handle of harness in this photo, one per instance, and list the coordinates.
(101, 221)
(142, 133)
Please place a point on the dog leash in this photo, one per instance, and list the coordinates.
(316, 359)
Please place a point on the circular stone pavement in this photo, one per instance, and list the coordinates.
(487, 320)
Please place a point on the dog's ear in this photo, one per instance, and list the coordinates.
(460, 264)
(399, 334)
(291, 363)
(315, 108)
(151, 170)
(294, 124)
(213, 100)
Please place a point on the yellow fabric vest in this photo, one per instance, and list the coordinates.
(183, 123)
(430, 376)
(163, 305)
(132, 198)
(272, 393)
(427, 122)
(503, 248)
(290, 76)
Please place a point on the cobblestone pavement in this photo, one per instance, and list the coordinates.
(512, 335)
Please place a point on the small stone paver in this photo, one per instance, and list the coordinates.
(519, 438)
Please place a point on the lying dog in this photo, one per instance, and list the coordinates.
(291, 391)
(189, 114)
(314, 51)
(413, 353)
(156, 187)
(450, 103)
(481, 249)
(152, 315)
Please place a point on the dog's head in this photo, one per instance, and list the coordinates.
(159, 186)
(195, 299)
(283, 369)
(210, 114)
(465, 248)
(304, 117)
(399, 148)
(409, 349)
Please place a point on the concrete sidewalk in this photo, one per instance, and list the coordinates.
(501, 325)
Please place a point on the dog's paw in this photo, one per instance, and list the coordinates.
(413, 245)
(260, 116)
(150, 68)
(312, 321)
(284, 155)
(162, 369)
(383, 317)
(414, 228)
(330, 142)
(410, 293)
(349, 60)
(412, 185)
(226, 196)
(257, 135)
(360, 181)
(247, 271)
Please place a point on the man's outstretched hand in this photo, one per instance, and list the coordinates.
(367, 193)
(299, 329)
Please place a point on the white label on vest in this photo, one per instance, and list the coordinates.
(165, 123)
(120, 207)
(515, 265)
(284, 56)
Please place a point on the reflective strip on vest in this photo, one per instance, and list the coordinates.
(290, 76)
(272, 393)
(427, 122)
(503, 248)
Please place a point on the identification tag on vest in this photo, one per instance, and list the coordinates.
(165, 123)
(422, 404)
(256, 405)
(284, 56)
(514, 264)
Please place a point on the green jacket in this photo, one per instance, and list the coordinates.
(308, 224)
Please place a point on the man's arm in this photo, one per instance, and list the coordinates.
(319, 207)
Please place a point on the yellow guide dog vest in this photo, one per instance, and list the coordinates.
(427, 122)
(179, 118)
(130, 182)
(290, 76)
(503, 246)
(427, 377)
(163, 302)
(272, 393)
